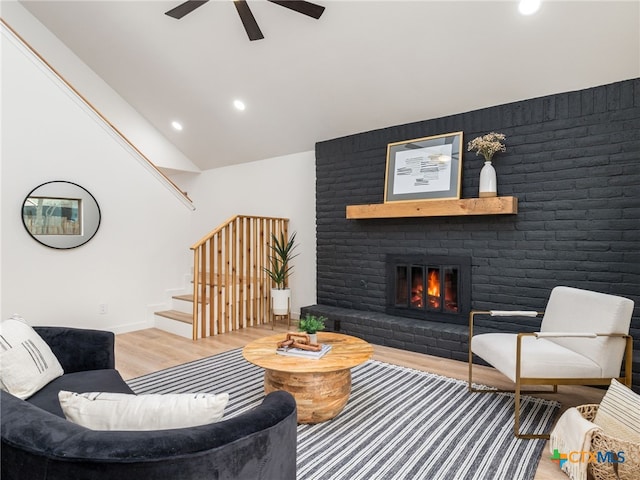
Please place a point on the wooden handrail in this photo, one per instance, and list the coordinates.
(147, 162)
(231, 290)
(221, 226)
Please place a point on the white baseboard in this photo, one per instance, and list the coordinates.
(131, 327)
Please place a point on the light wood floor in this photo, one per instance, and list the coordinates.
(146, 351)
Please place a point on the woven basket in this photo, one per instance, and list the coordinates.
(600, 442)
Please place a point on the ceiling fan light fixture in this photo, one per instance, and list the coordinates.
(246, 16)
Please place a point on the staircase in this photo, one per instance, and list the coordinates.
(179, 319)
(233, 254)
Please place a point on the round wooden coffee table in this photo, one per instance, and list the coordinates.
(320, 386)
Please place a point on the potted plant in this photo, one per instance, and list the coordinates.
(312, 325)
(282, 252)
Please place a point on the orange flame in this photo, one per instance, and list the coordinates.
(433, 284)
(433, 288)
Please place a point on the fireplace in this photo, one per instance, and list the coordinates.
(428, 287)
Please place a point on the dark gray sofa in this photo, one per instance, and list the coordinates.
(39, 443)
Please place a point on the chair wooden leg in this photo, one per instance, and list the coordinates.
(470, 373)
(516, 425)
(517, 391)
(516, 421)
(628, 361)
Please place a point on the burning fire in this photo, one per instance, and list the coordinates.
(433, 283)
(416, 296)
(433, 288)
(441, 288)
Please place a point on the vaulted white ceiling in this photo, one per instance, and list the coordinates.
(363, 65)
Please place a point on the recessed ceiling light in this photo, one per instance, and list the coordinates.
(239, 104)
(528, 7)
(176, 125)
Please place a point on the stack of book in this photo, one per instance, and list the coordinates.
(298, 352)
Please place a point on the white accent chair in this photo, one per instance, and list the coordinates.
(583, 339)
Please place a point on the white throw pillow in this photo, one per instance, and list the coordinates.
(121, 411)
(619, 413)
(26, 362)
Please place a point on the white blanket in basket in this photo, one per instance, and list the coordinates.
(573, 433)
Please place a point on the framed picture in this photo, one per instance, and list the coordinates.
(60, 215)
(428, 168)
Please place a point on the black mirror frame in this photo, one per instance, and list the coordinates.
(90, 212)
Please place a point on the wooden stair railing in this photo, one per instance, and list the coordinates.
(230, 287)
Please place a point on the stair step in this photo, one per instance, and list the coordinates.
(172, 326)
(176, 315)
(186, 298)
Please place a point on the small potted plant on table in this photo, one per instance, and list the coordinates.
(311, 325)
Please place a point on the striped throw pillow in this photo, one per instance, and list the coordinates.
(26, 362)
(619, 413)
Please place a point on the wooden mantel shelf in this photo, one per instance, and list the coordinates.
(436, 208)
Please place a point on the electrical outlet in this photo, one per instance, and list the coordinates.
(102, 309)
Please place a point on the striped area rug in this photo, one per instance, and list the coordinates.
(399, 423)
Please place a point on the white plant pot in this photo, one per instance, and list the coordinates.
(313, 338)
(280, 301)
(488, 181)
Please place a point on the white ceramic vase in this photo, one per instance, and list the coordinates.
(488, 181)
(280, 301)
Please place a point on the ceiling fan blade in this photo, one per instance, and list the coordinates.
(184, 8)
(307, 8)
(248, 20)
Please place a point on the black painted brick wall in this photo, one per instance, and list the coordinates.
(573, 161)
(431, 338)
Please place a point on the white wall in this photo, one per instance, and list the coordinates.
(278, 187)
(141, 248)
(122, 115)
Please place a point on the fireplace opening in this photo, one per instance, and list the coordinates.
(435, 288)
(428, 287)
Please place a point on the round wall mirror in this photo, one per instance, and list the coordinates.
(61, 215)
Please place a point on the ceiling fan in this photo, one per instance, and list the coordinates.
(248, 20)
